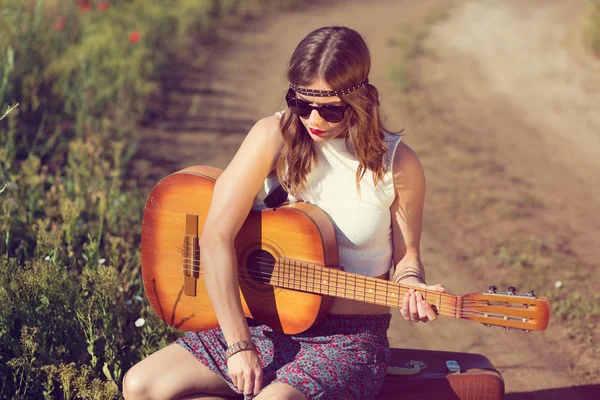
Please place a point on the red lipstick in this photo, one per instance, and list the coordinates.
(316, 131)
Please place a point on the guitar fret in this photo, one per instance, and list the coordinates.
(305, 281)
(346, 286)
(321, 280)
(307, 277)
(365, 291)
(386, 294)
(332, 282)
(293, 285)
(374, 292)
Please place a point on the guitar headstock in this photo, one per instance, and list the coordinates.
(508, 309)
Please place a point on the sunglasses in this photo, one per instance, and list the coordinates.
(303, 108)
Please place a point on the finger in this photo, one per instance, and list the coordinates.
(439, 288)
(248, 383)
(426, 312)
(234, 380)
(421, 308)
(258, 382)
(429, 311)
(414, 311)
(404, 309)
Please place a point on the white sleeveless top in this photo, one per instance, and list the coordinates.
(362, 221)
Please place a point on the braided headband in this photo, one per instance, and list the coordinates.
(327, 93)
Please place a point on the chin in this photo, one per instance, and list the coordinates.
(322, 138)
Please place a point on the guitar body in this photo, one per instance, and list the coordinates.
(174, 217)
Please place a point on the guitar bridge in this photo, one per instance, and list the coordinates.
(191, 255)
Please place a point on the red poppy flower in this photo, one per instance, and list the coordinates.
(134, 37)
(103, 6)
(60, 24)
(85, 7)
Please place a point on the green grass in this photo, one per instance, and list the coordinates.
(407, 43)
(592, 27)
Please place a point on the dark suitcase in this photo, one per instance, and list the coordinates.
(443, 375)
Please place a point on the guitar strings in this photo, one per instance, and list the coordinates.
(443, 309)
(362, 280)
(375, 296)
(320, 269)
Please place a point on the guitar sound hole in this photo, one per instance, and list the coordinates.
(260, 266)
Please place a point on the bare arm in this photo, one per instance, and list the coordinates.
(407, 210)
(234, 194)
(407, 224)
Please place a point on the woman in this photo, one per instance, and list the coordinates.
(329, 148)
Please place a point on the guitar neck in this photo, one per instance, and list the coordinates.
(312, 278)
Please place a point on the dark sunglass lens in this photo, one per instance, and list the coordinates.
(304, 108)
(332, 114)
(300, 108)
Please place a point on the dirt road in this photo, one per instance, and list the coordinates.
(501, 114)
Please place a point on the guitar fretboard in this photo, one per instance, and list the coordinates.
(307, 277)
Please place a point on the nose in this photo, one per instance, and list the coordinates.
(315, 118)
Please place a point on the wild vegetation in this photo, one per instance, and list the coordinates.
(75, 81)
(592, 27)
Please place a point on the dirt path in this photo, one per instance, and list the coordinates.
(501, 118)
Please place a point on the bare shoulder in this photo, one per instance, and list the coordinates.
(406, 162)
(268, 129)
(260, 149)
(272, 122)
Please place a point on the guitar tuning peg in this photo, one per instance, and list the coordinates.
(526, 330)
(507, 328)
(512, 290)
(492, 289)
(488, 325)
(531, 293)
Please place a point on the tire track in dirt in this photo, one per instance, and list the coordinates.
(219, 93)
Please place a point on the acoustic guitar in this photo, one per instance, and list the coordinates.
(287, 267)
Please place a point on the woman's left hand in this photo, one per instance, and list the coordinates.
(414, 307)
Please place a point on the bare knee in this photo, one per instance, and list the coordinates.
(136, 386)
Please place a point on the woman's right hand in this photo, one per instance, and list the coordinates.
(245, 372)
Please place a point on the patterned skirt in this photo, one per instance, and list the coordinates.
(345, 357)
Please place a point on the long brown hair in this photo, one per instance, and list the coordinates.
(340, 57)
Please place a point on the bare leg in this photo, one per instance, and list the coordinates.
(172, 373)
(207, 397)
(280, 391)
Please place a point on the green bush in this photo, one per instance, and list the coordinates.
(69, 276)
(75, 77)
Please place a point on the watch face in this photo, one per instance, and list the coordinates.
(243, 345)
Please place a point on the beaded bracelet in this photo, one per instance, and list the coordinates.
(239, 346)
